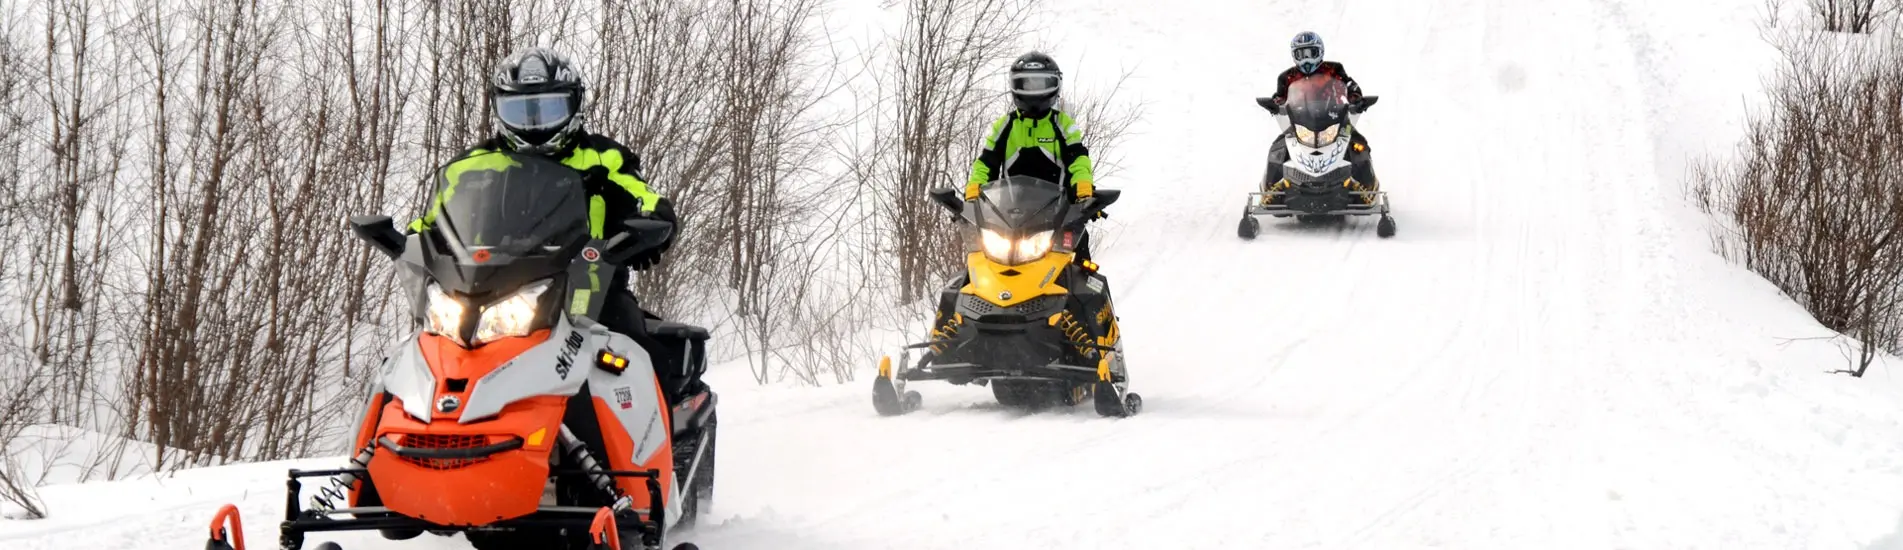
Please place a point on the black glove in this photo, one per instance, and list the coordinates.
(1097, 216)
(663, 211)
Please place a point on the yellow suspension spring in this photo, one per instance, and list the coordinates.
(946, 330)
(1075, 332)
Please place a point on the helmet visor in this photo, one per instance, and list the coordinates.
(534, 111)
(1308, 53)
(1035, 83)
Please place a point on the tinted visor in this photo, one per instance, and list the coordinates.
(534, 111)
(1035, 83)
(1308, 52)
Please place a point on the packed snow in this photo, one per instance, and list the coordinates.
(1546, 356)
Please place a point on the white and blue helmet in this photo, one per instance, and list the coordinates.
(1307, 49)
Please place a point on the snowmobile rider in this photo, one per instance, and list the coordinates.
(537, 98)
(1307, 50)
(1037, 139)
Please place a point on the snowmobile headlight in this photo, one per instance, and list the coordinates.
(513, 316)
(1304, 135)
(1328, 135)
(997, 247)
(1034, 246)
(1016, 251)
(445, 314)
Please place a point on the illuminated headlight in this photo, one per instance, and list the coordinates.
(1013, 252)
(1304, 135)
(513, 316)
(1328, 135)
(445, 315)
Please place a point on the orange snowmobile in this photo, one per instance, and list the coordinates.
(510, 415)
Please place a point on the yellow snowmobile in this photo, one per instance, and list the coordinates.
(1024, 319)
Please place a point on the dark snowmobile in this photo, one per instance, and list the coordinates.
(1317, 175)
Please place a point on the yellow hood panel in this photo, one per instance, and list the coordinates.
(1034, 279)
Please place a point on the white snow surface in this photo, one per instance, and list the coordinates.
(1546, 356)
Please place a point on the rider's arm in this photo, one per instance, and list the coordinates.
(1076, 156)
(624, 192)
(1354, 89)
(989, 159)
(623, 169)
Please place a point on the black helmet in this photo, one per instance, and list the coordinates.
(1035, 82)
(537, 98)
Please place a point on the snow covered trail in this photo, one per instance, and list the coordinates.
(1544, 357)
(1531, 363)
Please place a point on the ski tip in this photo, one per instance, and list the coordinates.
(603, 534)
(227, 517)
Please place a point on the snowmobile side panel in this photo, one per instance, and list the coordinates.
(634, 406)
(636, 427)
(462, 475)
(621, 444)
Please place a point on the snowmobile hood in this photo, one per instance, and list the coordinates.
(507, 220)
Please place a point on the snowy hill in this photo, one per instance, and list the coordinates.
(1546, 356)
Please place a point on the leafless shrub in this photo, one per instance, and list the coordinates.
(21, 388)
(1813, 203)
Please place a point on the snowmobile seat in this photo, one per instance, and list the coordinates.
(677, 330)
(682, 358)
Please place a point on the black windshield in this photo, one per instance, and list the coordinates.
(505, 220)
(1022, 205)
(1317, 102)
